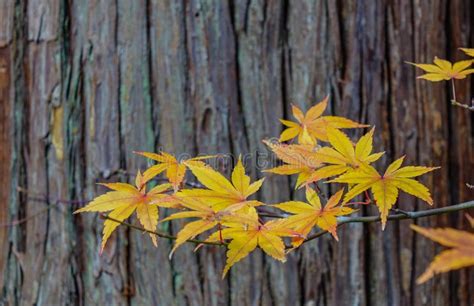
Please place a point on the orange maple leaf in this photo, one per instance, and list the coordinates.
(459, 255)
(343, 155)
(298, 159)
(385, 187)
(125, 199)
(175, 170)
(312, 126)
(208, 216)
(470, 220)
(468, 51)
(308, 215)
(249, 233)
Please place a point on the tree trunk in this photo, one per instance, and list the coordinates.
(85, 83)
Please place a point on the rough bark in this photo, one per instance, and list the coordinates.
(84, 83)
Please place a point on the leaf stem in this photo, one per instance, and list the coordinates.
(455, 102)
(454, 90)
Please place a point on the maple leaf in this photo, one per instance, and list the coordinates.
(312, 126)
(459, 255)
(343, 156)
(175, 170)
(221, 192)
(249, 233)
(443, 70)
(125, 199)
(468, 51)
(209, 217)
(470, 220)
(311, 214)
(385, 187)
(299, 159)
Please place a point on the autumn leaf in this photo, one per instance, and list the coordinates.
(246, 235)
(175, 170)
(459, 255)
(208, 216)
(343, 155)
(468, 51)
(298, 159)
(308, 215)
(311, 126)
(126, 199)
(385, 187)
(443, 70)
(470, 220)
(221, 192)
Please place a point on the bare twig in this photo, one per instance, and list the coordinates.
(26, 219)
(403, 212)
(454, 90)
(263, 212)
(157, 233)
(456, 103)
(341, 221)
(164, 180)
(320, 191)
(401, 216)
(53, 203)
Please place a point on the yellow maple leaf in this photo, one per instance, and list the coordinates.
(311, 126)
(443, 70)
(468, 51)
(221, 192)
(459, 255)
(470, 220)
(249, 233)
(385, 187)
(343, 155)
(298, 159)
(311, 214)
(125, 199)
(175, 170)
(209, 217)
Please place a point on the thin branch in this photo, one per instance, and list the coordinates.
(400, 211)
(465, 106)
(454, 90)
(157, 233)
(164, 180)
(262, 212)
(456, 103)
(38, 197)
(320, 191)
(52, 203)
(26, 219)
(341, 221)
(401, 216)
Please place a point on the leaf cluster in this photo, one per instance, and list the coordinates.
(312, 147)
(461, 243)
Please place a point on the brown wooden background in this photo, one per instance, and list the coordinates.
(83, 83)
